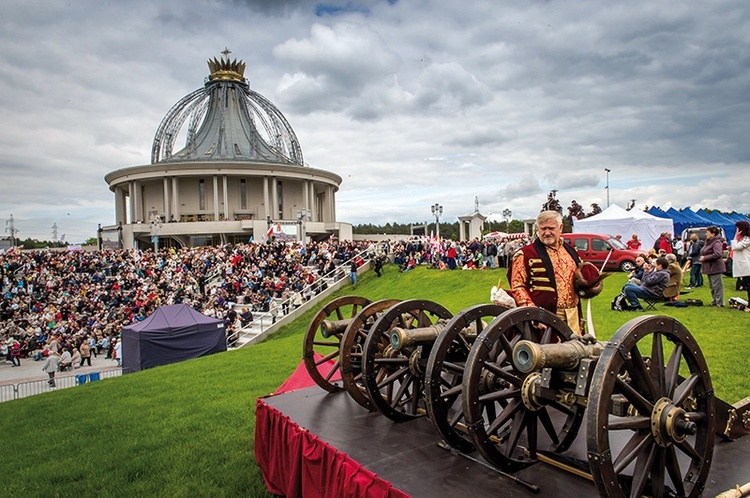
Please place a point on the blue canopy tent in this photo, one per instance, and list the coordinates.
(169, 335)
(720, 220)
(700, 221)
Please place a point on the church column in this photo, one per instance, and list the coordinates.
(175, 199)
(313, 202)
(166, 199)
(119, 206)
(306, 194)
(131, 204)
(216, 198)
(265, 197)
(226, 197)
(274, 198)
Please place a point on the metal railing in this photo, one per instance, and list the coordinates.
(10, 392)
(265, 318)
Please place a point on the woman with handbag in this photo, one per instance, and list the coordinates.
(741, 257)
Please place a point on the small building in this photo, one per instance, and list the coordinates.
(239, 176)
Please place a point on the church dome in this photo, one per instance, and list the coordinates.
(226, 121)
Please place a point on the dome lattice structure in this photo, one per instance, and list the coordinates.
(226, 120)
(236, 175)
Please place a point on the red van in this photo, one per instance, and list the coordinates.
(595, 247)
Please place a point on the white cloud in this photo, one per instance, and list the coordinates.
(412, 103)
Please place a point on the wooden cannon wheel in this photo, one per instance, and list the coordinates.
(328, 347)
(670, 420)
(502, 427)
(350, 350)
(445, 372)
(395, 379)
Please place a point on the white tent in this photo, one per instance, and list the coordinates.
(616, 221)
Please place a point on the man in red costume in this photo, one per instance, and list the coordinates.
(542, 273)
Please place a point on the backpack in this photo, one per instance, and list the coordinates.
(619, 303)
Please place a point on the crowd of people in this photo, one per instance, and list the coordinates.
(445, 254)
(75, 303)
(659, 273)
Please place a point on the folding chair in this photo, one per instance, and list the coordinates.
(651, 303)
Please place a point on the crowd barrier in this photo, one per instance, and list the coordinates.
(30, 388)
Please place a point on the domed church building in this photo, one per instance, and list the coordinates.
(239, 176)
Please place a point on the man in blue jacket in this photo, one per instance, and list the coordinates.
(654, 281)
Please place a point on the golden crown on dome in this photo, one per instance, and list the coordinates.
(225, 69)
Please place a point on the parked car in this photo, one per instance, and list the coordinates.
(700, 232)
(595, 248)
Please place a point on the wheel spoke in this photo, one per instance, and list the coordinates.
(504, 416)
(519, 424)
(673, 468)
(657, 363)
(632, 448)
(636, 367)
(403, 388)
(548, 426)
(326, 343)
(642, 404)
(688, 449)
(631, 423)
(498, 395)
(657, 473)
(673, 370)
(393, 377)
(327, 357)
(453, 367)
(503, 374)
(450, 395)
(333, 370)
(684, 389)
(642, 469)
(546, 336)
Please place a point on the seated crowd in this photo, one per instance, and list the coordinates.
(59, 301)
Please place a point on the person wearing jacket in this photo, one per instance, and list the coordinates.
(741, 257)
(712, 264)
(51, 365)
(655, 280)
(694, 255)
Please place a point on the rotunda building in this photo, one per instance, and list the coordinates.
(240, 175)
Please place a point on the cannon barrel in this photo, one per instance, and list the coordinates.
(529, 356)
(330, 328)
(402, 338)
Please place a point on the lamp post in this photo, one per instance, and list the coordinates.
(507, 213)
(607, 170)
(437, 211)
(155, 224)
(11, 228)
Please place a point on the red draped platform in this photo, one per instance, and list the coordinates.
(315, 444)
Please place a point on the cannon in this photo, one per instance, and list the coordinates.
(647, 393)
(517, 385)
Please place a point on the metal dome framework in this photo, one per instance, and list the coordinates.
(267, 134)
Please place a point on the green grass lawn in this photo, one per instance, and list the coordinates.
(187, 429)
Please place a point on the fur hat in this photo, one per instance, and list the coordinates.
(587, 281)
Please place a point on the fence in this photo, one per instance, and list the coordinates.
(30, 388)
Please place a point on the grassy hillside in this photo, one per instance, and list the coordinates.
(187, 429)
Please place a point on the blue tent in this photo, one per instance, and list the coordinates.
(700, 221)
(720, 220)
(171, 334)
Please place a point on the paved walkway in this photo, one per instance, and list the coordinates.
(32, 370)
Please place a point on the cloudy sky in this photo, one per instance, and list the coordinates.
(410, 102)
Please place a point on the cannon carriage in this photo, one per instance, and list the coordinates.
(518, 386)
